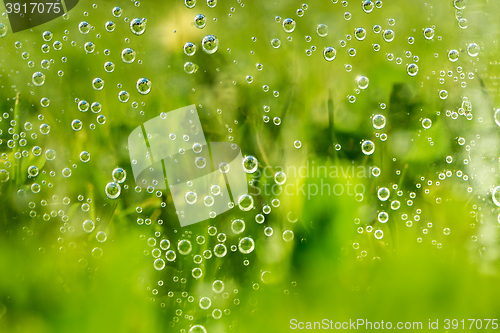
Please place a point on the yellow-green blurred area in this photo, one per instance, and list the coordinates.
(328, 244)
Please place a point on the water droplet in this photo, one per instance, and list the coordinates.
(143, 86)
(110, 26)
(246, 245)
(109, 66)
(128, 55)
(453, 55)
(360, 33)
(426, 123)
(329, 53)
(138, 26)
(50, 155)
(84, 156)
(460, 4)
(250, 164)
(184, 246)
(47, 36)
(88, 226)
(443, 94)
(210, 44)
(189, 67)
(38, 78)
(220, 250)
(367, 6)
(383, 193)
(159, 264)
(238, 226)
(197, 328)
(245, 202)
(119, 175)
(367, 147)
(98, 83)
(412, 69)
(428, 33)
(288, 235)
(191, 197)
(84, 27)
(362, 82)
(112, 190)
(117, 12)
(473, 49)
(321, 30)
(200, 21)
(280, 178)
(123, 96)
(190, 3)
(205, 303)
(388, 35)
(497, 117)
(289, 25)
(66, 172)
(3, 30)
(89, 47)
(378, 121)
(189, 49)
(83, 106)
(495, 195)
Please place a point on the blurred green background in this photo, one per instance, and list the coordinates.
(52, 279)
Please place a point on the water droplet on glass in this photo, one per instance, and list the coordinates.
(280, 177)
(383, 193)
(362, 82)
(3, 30)
(190, 3)
(38, 78)
(473, 49)
(412, 69)
(360, 33)
(143, 86)
(289, 25)
(200, 21)
(388, 35)
(250, 164)
(119, 175)
(378, 121)
(210, 44)
(112, 190)
(98, 83)
(189, 49)
(428, 33)
(367, 147)
(84, 27)
(245, 202)
(426, 123)
(138, 26)
(329, 53)
(246, 245)
(128, 55)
